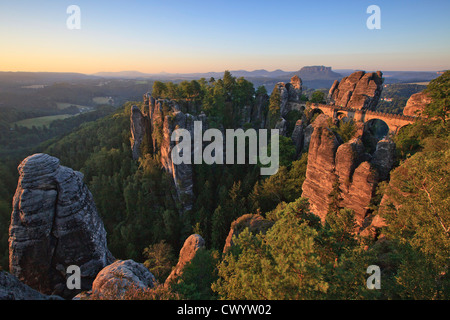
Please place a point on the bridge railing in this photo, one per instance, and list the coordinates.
(367, 112)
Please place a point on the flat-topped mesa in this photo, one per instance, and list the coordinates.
(54, 224)
(360, 90)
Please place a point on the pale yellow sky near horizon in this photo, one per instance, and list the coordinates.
(40, 61)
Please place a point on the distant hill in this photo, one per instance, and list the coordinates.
(317, 73)
(312, 76)
(44, 78)
(165, 75)
(122, 74)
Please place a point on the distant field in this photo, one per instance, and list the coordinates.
(41, 121)
(65, 105)
(101, 100)
(420, 83)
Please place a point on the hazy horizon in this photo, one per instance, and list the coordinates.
(204, 36)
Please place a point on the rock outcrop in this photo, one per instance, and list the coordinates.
(254, 222)
(156, 123)
(298, 137)
(332, 163)
(290, 94)
(416, 104)
(12, 289)
(384, 158)
(301, 135)
(115, 280)
(360, 191)
(54, 224)
(360, 90)
(139, 125)
(190, 248)
(182, 173)
(259, 112)
(320, 171)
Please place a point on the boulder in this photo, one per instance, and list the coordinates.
(119, 278)
(416, 104)
(254, 222)
(190, 247)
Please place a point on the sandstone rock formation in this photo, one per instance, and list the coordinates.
(416, 104)
(298, 137)
(54, 224)
(384, 157)
(156, 124)
(139, 126)
(295, 88)
(259, 112)
(301, 135)
(359, 90)
(360, 191)
(357, 173)
(12, 289)
(190, 247)
(320, 171)
(290, 94)
(254, 222)
(113, 281)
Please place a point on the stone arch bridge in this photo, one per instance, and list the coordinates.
(393, 121)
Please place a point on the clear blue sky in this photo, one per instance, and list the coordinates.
(213, 35)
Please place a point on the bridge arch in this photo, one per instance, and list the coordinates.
(377, 127)
(393, 121)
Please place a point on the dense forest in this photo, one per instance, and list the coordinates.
(298, 257)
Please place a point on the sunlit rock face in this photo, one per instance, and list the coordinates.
(54, 224)
(191, 246)
(139, 124)
(416, 104)
(113, 281)
(332, 163)
(360, 90)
